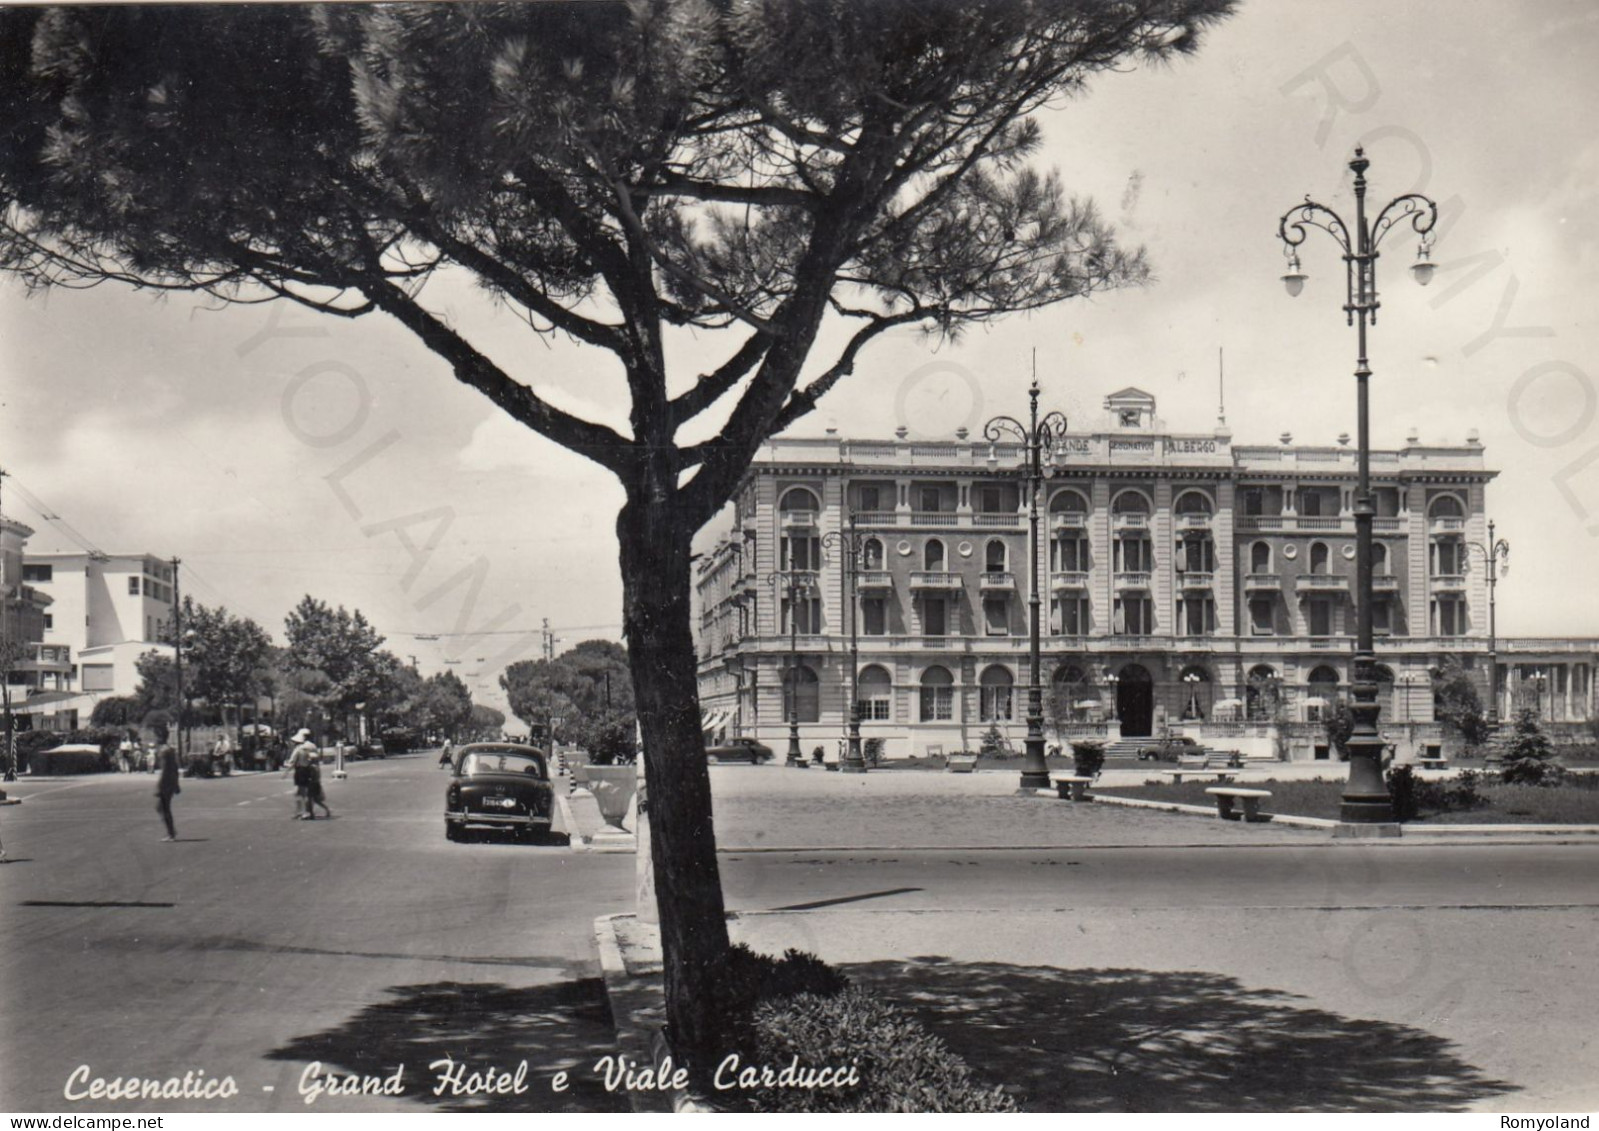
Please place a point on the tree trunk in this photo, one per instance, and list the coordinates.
(656, 620)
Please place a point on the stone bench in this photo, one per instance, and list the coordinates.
(1072, 787)
(1250, 799)
(1177, 776)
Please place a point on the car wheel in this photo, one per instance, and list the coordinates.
(713, 760)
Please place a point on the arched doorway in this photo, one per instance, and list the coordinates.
(1135, 701)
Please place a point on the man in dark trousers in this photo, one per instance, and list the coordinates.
(167, 787)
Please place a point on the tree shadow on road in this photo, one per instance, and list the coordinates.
(1167, 1040)
(563, 1026)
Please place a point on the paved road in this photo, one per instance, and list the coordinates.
(256, 945)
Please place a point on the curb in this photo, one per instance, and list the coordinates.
(1209, 811)
(574, 837)
(635, 1042)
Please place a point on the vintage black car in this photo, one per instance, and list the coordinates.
(739, 750)
(500, 785)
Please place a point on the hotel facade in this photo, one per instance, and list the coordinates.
(1186, 584)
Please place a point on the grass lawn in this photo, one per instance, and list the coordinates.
(1508, 804)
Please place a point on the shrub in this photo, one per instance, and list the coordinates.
(1088, 757)
(900, 1066)
(872, 751)
(1529, 759)
(1411, 796)
(993, 743)
(749, 977)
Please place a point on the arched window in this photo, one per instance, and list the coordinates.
(872, 554)
(1260, 557)
(997, 684)
(1322, 688)
(797, 499)
(1446, 506)
(1262, 693)
(1068, 502)
(938, 695)
(1193, 502)
(802, 693)
(994, 556)
(877, 693)
(933, 555)
(1319, 557)
(1130, 502)
(1379, 559)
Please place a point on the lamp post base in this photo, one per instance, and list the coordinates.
(854, 762)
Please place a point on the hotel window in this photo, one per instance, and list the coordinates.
(934, 616)
(994, 556)
(1262, 617)
(49, 621)
(876, 692)
(1196, 555)
(1382, 621)
(872, 554)
(933, 556)
(1319, 557)
(1449, 617)
(38, 573)
(938, 695)
(808, 610)
(930, 499)
(996, 702)
(1134, 616)
(1379, 560)
(1260, 557)
(1320, 618)
(133, 586)
(1068, 554)
(874, 620)
(869, 498)
(996, 616)
(1197, 616)
(805, 689)
(1068, 616)
(990, 500)
(798, 551)
(1133, 555)
(1448, 557)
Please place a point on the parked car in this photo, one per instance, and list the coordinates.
(1171, 749)
(739, 750)
(502, 785)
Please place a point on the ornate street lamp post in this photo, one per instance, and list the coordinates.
(1039, 434)
(848, 544)
(794, 581)
(1365, 800)
(1496, 558)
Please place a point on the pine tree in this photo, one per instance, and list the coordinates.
(1529, 757)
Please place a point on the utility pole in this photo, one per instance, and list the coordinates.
(177, 647)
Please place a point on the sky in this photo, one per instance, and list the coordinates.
(279, 454)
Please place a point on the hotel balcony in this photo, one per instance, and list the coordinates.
(1068, 581)
(1134, 579)
(1449, 583)
(928, 579)
(1250, 522)
(934, 518)
(997, 583)
(1318, 522)
(799, 520)
(1444, 525)
(996, 518)
(1193, 522)
(1068, 520)
(876, 518)
(1385, 584)
(1196, 579)
(874, 579)
(1262, 582)
(1321, 583)
(1130, 521)
(1388, 525)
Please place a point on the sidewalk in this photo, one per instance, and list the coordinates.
(1189, 1011)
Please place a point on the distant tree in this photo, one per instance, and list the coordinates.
(117, 711)
(587, 688)
(1339, 724)
(788, 178)
(485, 722)
(1456, 702)
(443, 705)
(222, 654)
(344, 648)
(157, 689)
(539, 693)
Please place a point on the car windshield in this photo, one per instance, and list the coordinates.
(499, 762)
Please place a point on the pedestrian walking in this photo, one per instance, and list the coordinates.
(447, 754)
(126, 753)
(313, 792)
(301, 759)
(167, 787)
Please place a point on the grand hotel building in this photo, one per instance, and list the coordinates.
(1186, 582)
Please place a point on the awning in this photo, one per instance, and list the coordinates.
(715, 719)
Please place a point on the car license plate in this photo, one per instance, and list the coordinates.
(505, 803)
